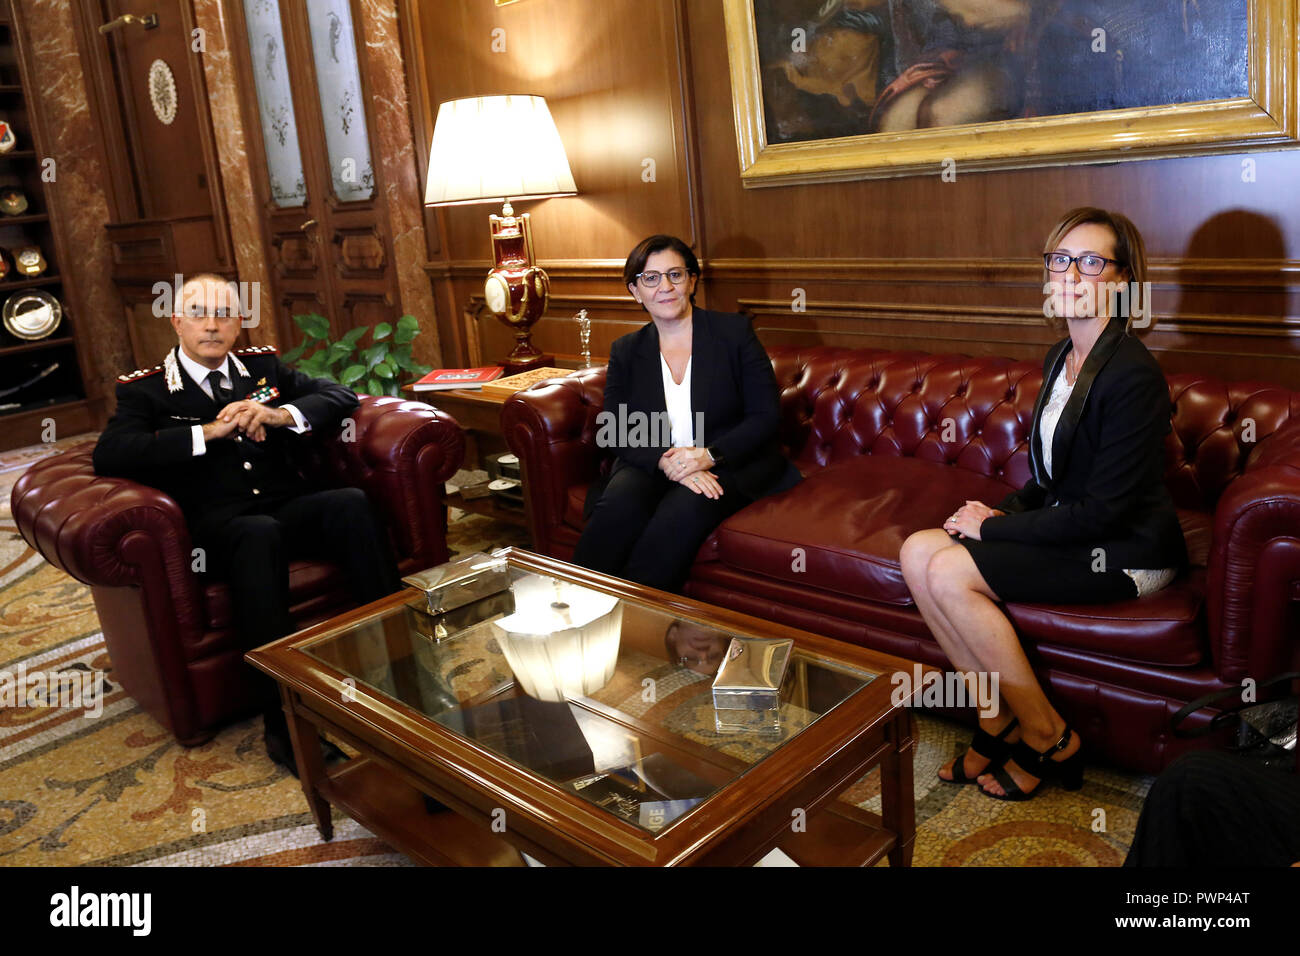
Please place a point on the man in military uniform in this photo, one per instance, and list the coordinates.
(216, 430)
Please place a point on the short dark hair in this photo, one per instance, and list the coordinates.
(636, 259)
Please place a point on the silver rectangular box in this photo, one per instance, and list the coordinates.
(751, 674)
(461, 582)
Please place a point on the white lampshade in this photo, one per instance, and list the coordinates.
(562, 641)
(494, 148)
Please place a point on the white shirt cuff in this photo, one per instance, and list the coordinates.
(299, 423)
(199, 446)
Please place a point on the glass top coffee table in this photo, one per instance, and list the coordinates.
(571, 716)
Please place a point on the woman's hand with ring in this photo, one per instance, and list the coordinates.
(965, 522)
(679, 463)
(703, 483)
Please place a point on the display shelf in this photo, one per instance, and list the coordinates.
(63, 396)
(37, 345)
(40, 281)
(28, 426)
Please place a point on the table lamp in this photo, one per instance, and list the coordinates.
(495, 149)
(562, 640)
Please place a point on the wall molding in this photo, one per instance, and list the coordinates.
(1192, 323)
(1255, 275)
(1260, 275)
(566, 268)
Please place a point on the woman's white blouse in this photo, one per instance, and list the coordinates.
(1051, 416)
(1147, 580)
(677, 399)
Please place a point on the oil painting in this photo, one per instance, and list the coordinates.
(913, 75)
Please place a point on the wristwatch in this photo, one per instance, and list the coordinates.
(714, 454)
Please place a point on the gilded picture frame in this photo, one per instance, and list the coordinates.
(1264, 118)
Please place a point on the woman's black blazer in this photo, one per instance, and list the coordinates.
(732, 383)
(1108, 456)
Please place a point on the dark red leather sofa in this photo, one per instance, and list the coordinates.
(168, 630)
(890, 442)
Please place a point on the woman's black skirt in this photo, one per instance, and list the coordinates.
(1040, 574)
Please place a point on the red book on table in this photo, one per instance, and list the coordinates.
(441, 378)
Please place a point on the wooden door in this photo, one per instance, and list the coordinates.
(146, 89)
(306, 94)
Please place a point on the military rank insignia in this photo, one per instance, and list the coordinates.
(266, 393)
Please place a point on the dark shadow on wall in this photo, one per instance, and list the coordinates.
(1208, 291)
(1225, 238)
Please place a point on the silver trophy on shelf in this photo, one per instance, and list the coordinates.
(584, 337)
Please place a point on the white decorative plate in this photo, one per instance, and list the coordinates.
(162, 92)
(32, 315)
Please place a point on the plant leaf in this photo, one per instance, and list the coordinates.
(313, 366)
(316, 326)
(408, 327)
(382, 331)
(351, 374)
(401, 357)
(374, 386)
(384, 370)
(291, 356)
(375, 354)
(353, 336)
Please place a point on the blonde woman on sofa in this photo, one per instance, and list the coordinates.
(1094, 523)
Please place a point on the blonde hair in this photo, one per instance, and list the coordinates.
(1130, 250)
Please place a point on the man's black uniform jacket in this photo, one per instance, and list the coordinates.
(149, 438)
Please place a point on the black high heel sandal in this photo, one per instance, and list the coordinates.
(1041, 765)
(985, 744)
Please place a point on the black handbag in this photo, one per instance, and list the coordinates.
(1266, 730)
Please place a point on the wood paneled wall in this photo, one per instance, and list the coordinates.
(906, 263)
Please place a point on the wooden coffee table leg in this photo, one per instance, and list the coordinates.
(311, 764)
(897, 800)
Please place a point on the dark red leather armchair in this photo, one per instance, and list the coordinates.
(889, 442)
(168, 630)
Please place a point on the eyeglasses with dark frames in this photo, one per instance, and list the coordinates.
(1089, 264)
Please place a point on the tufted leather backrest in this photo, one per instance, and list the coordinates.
(399, 452)
(1218, 428)
(976, 413)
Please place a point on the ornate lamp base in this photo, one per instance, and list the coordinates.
(517, 291)
(527, 365)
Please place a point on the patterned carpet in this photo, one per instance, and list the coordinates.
(116, 790)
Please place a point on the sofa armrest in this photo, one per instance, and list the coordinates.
(552, 428)
(107, 532)
(400, 453)
(1253, 599)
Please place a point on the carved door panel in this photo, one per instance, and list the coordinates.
(147, 91)
(327, 231)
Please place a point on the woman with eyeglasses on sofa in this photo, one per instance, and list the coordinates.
(1094, 523)
(691, 415)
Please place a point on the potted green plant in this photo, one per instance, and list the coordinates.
(376, 369)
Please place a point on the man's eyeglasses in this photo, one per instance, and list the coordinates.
(651, 279)
(1089, 264)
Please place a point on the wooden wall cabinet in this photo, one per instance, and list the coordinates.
(41, 381)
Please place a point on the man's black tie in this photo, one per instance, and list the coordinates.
(220, 393)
